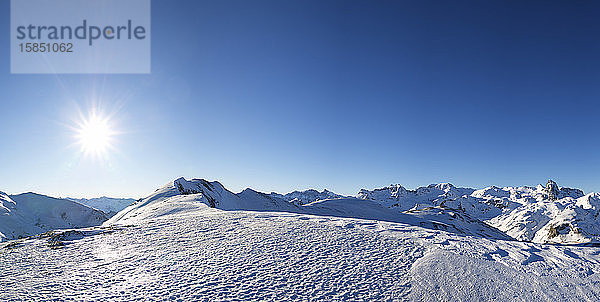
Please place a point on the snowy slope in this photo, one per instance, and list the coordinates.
(29, 214)
(110, 206)
(306, 196)
(435, 218)
(541, 214)
(182, 249)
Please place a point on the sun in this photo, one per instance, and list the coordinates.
(94, 135)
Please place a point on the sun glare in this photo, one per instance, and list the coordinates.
(94, 135)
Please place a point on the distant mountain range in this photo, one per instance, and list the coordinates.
(306, 196)
(110, 206)
(544, 213)
(29, 214)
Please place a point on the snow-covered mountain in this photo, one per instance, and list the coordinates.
(542, 214)
(110, 206)
(213, 194)
(29, 214)
(396, 196)
(306, 196)
(545, 213)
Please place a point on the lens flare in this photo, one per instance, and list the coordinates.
(94, 135)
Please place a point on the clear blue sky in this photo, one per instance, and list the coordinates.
(283, 95)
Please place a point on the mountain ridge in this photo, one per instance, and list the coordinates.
(542, 213)
(30, 213)
(191, 193)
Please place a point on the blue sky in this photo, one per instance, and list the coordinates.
(283, 95)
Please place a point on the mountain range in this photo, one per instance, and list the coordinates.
(110, 206)
(543, 214)
(28, 214)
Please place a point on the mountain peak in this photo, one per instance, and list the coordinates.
(306, 196)
(444, 186)
(555, 192)
(552, 190)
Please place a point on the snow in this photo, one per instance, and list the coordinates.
(399, 197)
(543, 214)
(29, 214)
(182, 249)
(306, 196)
(194, 240)
(213, 194)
